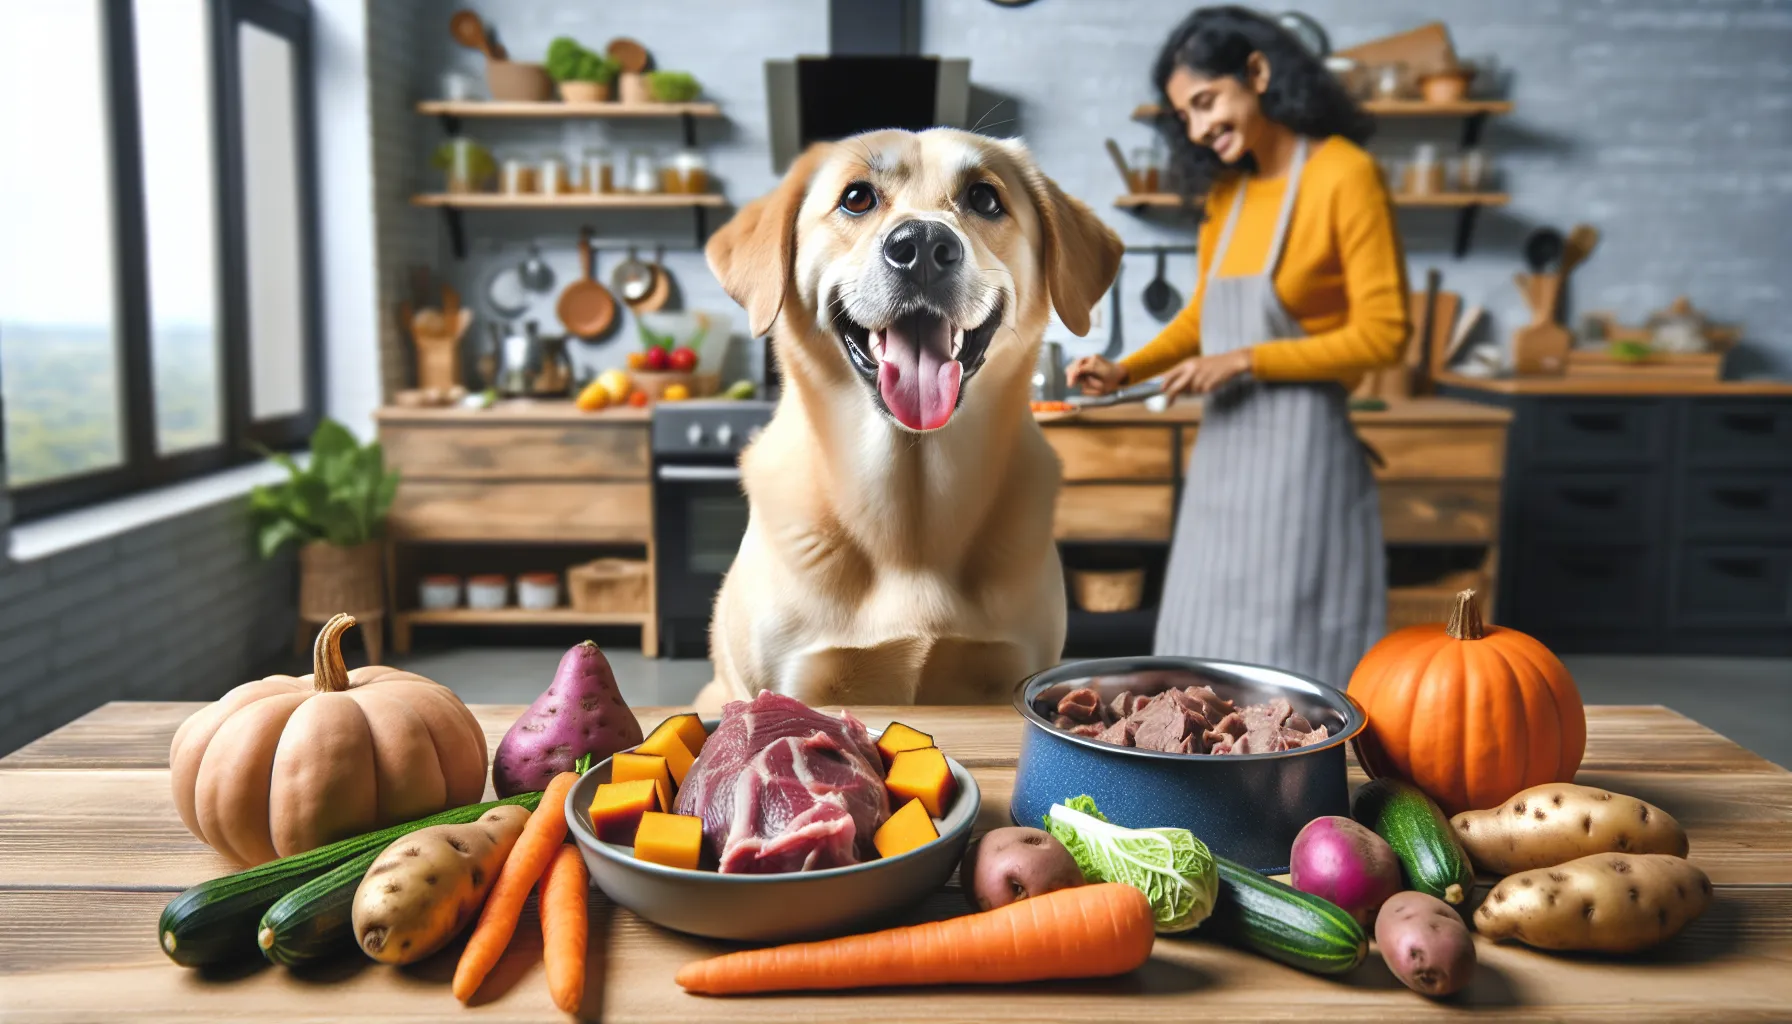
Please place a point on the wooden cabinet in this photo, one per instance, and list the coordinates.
(540, 475)
(1438, 462)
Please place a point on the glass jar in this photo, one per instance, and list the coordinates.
(643, 172)
(1143, 171)
(553, 178)
(518, 176)
(466, 165)
(600, 172)
(687, 174)
(1425, 174)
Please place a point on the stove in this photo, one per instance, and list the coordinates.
(699, 511)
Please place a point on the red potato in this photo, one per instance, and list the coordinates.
(1425, 943)
(1339, 860)
(1015, 863)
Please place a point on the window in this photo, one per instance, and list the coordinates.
(158, 296)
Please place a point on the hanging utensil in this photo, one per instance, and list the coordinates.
(505, 294)
(1543, 249)
(632, 279)
(1582, 240)
(586, 307)
(1115, 345)
(1160, 297)
(661, 293)
(534, 272)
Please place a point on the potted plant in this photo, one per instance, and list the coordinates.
(334, 508)
(584, 75)
(672, 86)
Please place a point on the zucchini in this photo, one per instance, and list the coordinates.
(315, 920)
(1432, 857)
(215, 922)
(1258, 913)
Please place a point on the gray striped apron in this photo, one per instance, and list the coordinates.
(1277, 555)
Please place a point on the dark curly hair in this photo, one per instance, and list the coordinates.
(1302, 94)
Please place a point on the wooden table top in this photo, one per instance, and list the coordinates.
(91, 849)
(1639, 385)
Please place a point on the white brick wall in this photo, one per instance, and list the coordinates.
(181, 609)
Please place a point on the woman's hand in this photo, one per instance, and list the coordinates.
(1096, 375)
(1200, 374)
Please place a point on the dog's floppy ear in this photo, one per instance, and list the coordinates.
(1082, 254)
(752, 255)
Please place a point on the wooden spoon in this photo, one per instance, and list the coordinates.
(1582, 240)
(469, 31)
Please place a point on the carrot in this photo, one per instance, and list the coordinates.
(541, 837)
(1090, 931)
(564, 889)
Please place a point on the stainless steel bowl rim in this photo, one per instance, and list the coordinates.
(1355, 718)
(575, 821)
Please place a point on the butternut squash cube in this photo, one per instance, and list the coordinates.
(675, 840)
(617, 808)
(689, 729)
(667, 744)
(908, 828)
(922, 775)
(899, 737)
(626, 767)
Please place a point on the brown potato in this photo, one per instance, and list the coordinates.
(1425, 943)
(1609, 903)
(1015, 863)
(425, 887)
(1559, 822)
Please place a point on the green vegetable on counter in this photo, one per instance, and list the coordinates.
(1169, 865)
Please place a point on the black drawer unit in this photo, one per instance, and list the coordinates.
(1597, 433)
(1657, 524)
(1736, 433)
(1730, 585)
(1736, 504)
(1611, 507)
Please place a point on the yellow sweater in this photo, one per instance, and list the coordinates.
(1342, 275)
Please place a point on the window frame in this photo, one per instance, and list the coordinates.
(142, 467)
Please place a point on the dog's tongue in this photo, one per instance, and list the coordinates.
(916, 373)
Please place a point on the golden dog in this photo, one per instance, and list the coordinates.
(899, 548)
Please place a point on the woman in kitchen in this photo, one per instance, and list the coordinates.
(1277, 556)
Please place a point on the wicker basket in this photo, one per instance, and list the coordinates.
(610, 585)
(1118, 591)
(335, 579)
(655, 382)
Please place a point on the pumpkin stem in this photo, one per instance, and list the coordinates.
(329, 673)
(1465, 618)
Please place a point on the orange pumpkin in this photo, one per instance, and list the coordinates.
(287, 764)
(1469, 713)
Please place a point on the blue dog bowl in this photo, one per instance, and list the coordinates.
(1246, 807)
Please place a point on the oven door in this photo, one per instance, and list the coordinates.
(700, 516)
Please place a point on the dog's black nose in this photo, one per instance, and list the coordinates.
(923, 250)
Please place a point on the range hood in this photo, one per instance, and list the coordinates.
(872, 78)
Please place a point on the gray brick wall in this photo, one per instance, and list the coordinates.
(181, 609)
(1664, 122)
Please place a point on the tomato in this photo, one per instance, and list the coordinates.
(684, 360)
(657, 360)
(638, 399)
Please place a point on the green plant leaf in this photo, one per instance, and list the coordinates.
(341, 496)
(274, 535)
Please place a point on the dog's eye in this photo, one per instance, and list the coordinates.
(858, 198)
(982, 199)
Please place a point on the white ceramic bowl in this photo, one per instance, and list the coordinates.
(487, 594)
(538, 594)
(772, 908)
(435, 593)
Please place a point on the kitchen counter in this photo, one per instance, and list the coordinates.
(1641, 385)
(517, 410)
(91, 849)
(1442, 411)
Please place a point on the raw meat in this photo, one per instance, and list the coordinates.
(783, 787)
(1189, 720)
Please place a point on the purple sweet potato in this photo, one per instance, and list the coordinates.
(581, 712)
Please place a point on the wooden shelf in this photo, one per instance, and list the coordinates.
(1392, 108)
(569, 201)
(1453, 200)
(555, 108)
(521, 617)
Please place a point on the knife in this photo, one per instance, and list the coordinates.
(1135, 393)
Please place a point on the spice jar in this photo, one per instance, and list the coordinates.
(1142, 173)
(600, 175)
(1425, 174)
(553, 179)
(687, 174)
(643, 172)
(518, 176)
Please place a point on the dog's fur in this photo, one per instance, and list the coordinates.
(884, 565)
